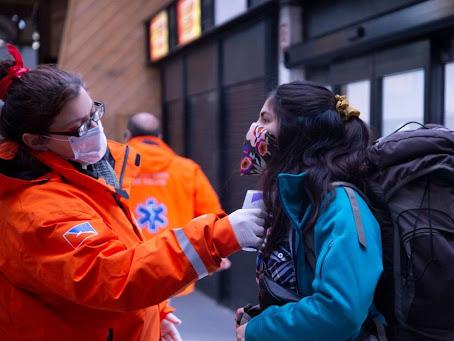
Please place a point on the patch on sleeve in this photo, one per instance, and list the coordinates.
(76, 235)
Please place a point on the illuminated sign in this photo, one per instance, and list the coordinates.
(188, 20)
(159, 36)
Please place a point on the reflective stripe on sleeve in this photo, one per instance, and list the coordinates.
(191, 253)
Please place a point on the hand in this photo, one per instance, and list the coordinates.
(238, 313)
(169, 331)
(247, 224)
(225, 264)
(241, 332)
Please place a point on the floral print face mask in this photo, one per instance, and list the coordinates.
(257, 150)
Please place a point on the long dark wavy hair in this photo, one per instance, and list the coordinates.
(312, 138)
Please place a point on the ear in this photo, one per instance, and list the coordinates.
(35, 142)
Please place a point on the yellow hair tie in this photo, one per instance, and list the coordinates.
(344, 108)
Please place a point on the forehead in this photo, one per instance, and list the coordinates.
(268, 106)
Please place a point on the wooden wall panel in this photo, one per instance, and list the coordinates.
(104, 41)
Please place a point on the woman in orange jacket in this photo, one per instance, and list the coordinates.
(73, 264)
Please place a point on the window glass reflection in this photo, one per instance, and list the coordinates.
(449, 95)
(403, 99)
(358, 94)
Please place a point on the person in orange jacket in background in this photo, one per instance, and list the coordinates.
(169, 190)
(73, 263)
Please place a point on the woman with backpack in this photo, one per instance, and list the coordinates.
(322, 257)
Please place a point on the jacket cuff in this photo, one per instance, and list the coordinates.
(224, 237)
(164, 309)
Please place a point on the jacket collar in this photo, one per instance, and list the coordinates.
(126, 168)
(151, 140)
(14, 177)
(294, 199)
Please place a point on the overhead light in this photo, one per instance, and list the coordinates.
(35, 36)
(21, 24)
(35, 45)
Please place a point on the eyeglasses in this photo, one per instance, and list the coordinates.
(95, 116)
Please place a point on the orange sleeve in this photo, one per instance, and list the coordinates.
(206, 199)
(164, 309)
(101, 272)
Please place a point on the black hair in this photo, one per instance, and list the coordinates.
(312, 138)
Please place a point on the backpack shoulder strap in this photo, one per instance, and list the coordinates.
(351, 189)
(309, 233)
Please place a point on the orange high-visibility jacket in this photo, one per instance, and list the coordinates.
(169, 190)
(73, 264)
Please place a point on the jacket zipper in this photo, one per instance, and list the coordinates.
(125, 212)
(291, 238)
(330, 245)
(123, 167)
(120, 192)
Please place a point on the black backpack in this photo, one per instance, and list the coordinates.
(413, 197)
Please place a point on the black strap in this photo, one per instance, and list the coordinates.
(350, 185)
(350, 189)
(356, 216)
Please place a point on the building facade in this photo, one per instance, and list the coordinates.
(103, 40)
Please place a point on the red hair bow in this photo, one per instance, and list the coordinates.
(15, 71)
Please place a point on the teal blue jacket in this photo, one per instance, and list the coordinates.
(339, 294)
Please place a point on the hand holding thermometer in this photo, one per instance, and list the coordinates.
(253, 199)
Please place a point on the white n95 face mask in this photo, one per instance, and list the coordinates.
(87, 149)
(91, 147)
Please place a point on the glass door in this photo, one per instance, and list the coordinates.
(449, 96)
(390, 86)
(403, 99)
(358, 94)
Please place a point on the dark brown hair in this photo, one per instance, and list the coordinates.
(313, 138)
(33, 101)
